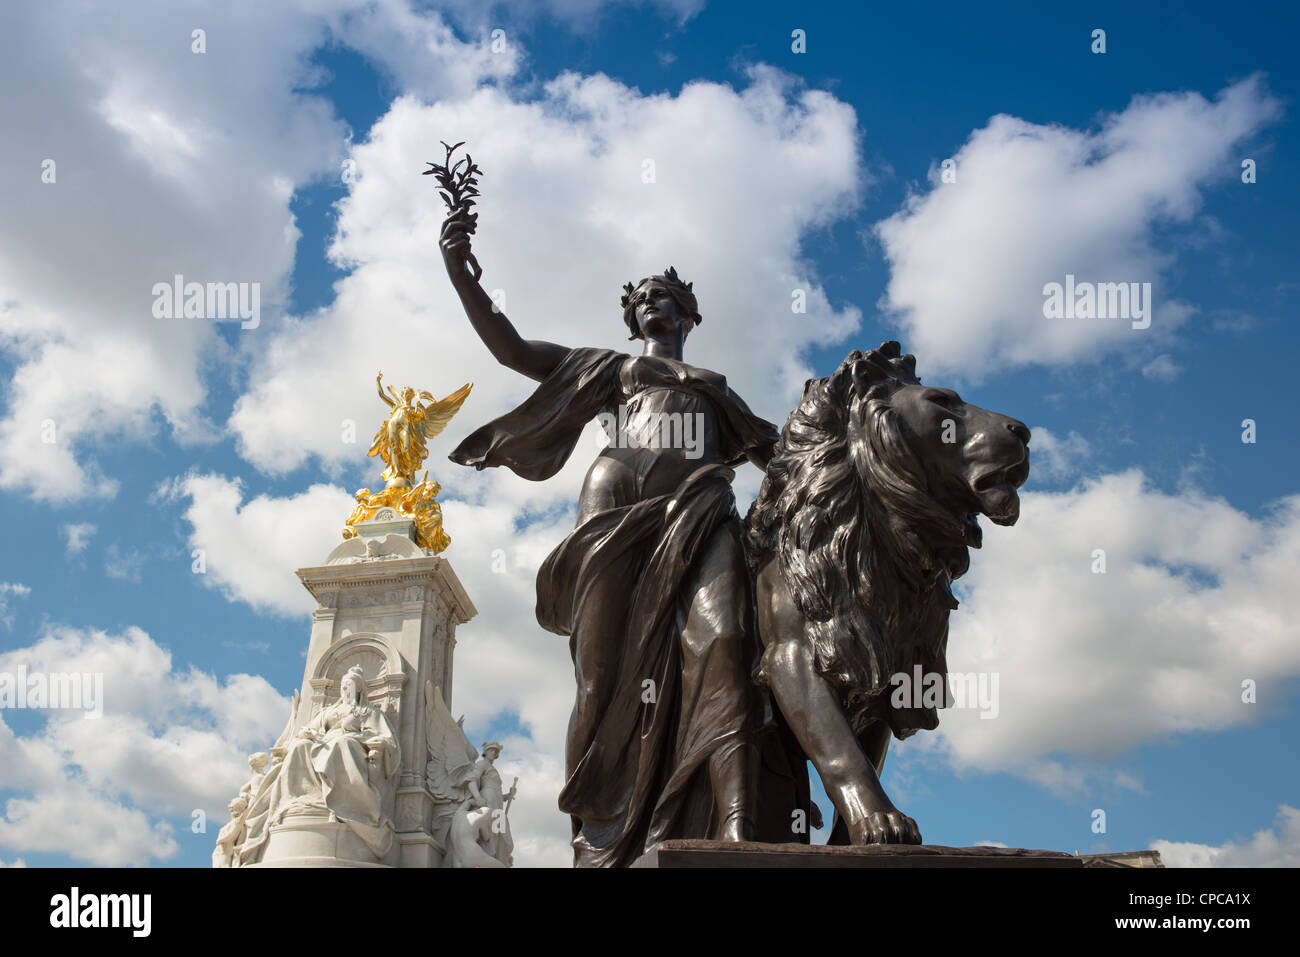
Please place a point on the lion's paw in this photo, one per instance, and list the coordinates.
(886, 827)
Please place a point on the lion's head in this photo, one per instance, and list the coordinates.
(869, 506)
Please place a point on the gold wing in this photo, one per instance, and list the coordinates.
(379, 445)
(438, 414)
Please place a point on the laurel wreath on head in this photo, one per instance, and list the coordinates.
(669, 274)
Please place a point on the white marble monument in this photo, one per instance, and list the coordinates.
(371, 771)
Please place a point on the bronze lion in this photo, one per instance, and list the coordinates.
(862, 524)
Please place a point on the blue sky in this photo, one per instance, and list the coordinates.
(185, 164)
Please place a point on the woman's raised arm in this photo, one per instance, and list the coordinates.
(533, 358)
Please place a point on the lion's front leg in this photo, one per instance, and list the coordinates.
(848, 767)
(812, 709)
(878, 825)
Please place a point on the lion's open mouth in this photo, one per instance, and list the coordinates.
(1001, 504)
(996, 492)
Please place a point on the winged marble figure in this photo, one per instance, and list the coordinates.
(470, 809)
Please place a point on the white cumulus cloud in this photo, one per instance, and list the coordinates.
(1033, 203)
(1277, 846)
(165, 162)
(78, 535)
(567, 217)
(250, 549)
(1195, 606)
(170, 741)
(6, 589)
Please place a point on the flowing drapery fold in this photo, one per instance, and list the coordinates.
(647, 717)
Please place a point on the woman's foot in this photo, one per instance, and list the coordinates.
(733, 771)
(738, 826)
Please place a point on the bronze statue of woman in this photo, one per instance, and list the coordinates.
(651, 586)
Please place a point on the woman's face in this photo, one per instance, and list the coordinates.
(656, 310)
(349, 690)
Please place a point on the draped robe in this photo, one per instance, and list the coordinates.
(635, 768)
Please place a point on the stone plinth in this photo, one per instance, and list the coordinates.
(685, 854)
(315, 841)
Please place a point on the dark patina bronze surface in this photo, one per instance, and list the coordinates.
(714, 657)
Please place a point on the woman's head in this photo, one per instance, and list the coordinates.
(352, 688)
(660, 304)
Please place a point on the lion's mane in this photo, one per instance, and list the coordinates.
(843, 509)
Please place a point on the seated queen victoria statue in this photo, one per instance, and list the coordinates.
(338, 766)
(651, 586)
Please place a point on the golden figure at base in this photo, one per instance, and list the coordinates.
(402, 443)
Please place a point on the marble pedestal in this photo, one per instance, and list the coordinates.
(315, 841)
(389, 606)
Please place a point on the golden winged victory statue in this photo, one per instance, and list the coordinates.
(402, 442)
